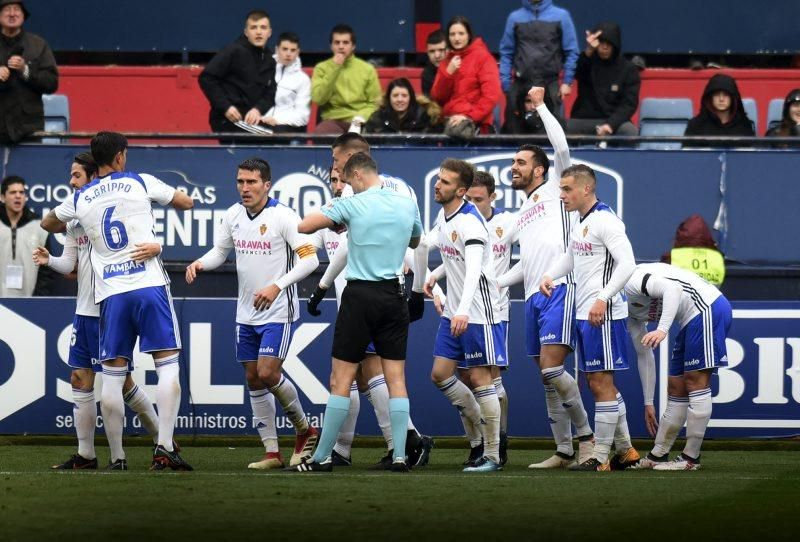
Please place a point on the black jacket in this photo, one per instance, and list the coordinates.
(21, 109)
(240, 75)
(385, 121)
(787, 127)
(706, 123)
(607, 89)
(428, 77)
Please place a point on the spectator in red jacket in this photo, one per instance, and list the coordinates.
(467, 85)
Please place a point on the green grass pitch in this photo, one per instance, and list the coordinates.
(739, 495)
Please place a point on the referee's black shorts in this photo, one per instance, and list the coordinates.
(371, 311)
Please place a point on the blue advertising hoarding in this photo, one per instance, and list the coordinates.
(652, 190)
(758, 395)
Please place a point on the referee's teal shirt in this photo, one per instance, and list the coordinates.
(380, 224)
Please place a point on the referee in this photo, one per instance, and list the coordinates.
(381, 224)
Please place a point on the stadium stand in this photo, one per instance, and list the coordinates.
(751, 108)
(663, 117)
(56, 115)
(774, 113)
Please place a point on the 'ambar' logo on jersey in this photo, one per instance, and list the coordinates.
(125, 268)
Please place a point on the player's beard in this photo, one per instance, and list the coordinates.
(524, 183)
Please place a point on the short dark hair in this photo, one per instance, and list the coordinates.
(437, 36)
(256, 15)
(343, 29)
(351, 141)
(290, 37)
(484, 178)
(464, 170)
(106, 145)
(582, 173)
(86, 161)
(539, 156)
(463, 21)
(8, 181)
(258, 164)
(361, 161)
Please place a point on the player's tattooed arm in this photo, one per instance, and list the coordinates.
(52, 224)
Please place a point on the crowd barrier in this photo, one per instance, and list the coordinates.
(757, 395)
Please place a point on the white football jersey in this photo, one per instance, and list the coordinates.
(116, 214)
(498, 225)
(265, 251)
(542, 229)
(330, 241)
(645, 306)
(76, 237)
(452, 234)
(593, 263)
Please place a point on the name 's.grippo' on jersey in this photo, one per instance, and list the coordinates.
(105, 188)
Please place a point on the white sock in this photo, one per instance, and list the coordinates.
(263, 404)
(378, 396)
(570, 396)
(113, 408)
(84, 410)
(287, 396)
(472, 431)
(410, 425)
(670, 425)
(502, 396)
(622, 436)
(486, 396)
(140, 403)
(461, 397)
(559, 420)
(697, 421)
(344, 442)
(168, 398)
(606, 415)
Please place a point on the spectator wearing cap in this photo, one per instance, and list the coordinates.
(27, 70)
(790, 121)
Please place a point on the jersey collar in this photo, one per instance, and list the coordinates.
(449, 218)
(590, 210)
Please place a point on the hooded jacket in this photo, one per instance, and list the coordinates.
(16, 246)
(706, 123)
(474, 89)
(292, 95)
(21, 109)
(419, 118)
(607, 89)
(240, 75)
(787, 127)
(538, 41)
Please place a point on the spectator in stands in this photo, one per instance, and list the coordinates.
(721, 112)
(20, 235)
(344, 86)
(27, 70)
(539, 40)
(239, 82)
(293, 88)
(608, 86)
(467, 85)
(436, 47)
(524, 119)
(790, 123)
(403, 111)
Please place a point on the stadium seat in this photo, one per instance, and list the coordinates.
(751, 109)
(663, 117)
(56, 116)
(774, 113)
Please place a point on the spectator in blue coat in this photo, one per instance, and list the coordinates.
(538, 42)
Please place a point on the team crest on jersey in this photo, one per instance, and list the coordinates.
(535, 198)
(585, 231)
(263, 229)
(499, 232)
(453, 236)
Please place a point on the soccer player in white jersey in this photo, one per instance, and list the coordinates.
(84, 347)
(370, 378)
(542, 230)
(116, 213)
(271, 257)
(482, 194)
(601, 256)
(471, 333)
(662, 293)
